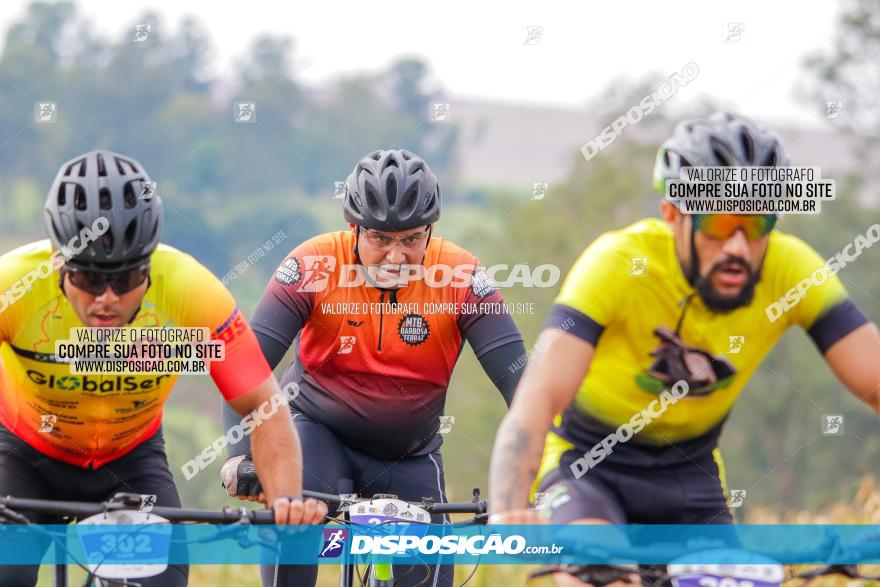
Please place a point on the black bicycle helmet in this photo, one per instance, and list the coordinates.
(391, 191)
(104, 184)
(721, 140)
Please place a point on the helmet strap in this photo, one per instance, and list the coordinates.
(694, 268)
(427, 244)
(357, 236)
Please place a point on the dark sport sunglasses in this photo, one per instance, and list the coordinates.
(724, 226)
(95, 282)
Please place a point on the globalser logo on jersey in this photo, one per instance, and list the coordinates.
(105, 384)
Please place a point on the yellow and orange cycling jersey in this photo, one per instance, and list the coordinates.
(99, 418)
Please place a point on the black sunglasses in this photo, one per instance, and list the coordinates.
(95, 282)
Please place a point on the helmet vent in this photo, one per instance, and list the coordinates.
(62, 194)
(721, 153)
(128, 197)
(120, 165)
(410, 199)
(107, 241)
(80, 167)
(128, 238)
(391, 189)
(372, 198)
(148, 221)
(102, 169)
(748, 145)
(79, 197)
(105, 202)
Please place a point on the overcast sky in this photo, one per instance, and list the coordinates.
(477, 49)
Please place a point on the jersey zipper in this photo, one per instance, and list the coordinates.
(393, 300)
(381, 315)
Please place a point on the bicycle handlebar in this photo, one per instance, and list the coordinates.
(80, 509)
(470, 507)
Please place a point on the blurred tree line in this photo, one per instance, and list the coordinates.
(156, 100)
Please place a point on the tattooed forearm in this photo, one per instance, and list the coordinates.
(515, 461)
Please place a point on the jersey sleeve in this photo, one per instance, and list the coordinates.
(243, 367)
(818, 300)
(26, 273)
(593, 291)
(289, 298)
(488, 326)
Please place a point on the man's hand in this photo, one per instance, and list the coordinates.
(239, 478)
(274, 443)
(289, 510)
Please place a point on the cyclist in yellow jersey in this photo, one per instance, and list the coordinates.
(644, 326)
(86, 437)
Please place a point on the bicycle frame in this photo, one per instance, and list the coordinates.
(380, 570)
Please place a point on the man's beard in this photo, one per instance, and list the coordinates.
(724, 304)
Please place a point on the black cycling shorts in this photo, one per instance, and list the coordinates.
(688, 493)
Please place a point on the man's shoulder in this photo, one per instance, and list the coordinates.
(650, 238)
(644, 235)
(25, 257)
(28, 268)
(783, 244)
(176, 272)
(328, 242)
(441, 250)
(168, 260)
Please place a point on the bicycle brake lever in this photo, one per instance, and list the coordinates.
(13, 516)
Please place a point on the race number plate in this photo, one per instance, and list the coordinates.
(143, 543)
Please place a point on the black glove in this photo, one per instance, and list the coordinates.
(239, 477)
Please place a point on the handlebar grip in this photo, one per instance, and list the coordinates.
(458, 508)
(265, 516)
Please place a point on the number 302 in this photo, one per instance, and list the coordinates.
(139, 544)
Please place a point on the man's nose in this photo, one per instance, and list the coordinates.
(108, 296)
(737, 245)
(395, 255)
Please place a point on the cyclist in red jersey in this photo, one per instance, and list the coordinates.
(374, 355)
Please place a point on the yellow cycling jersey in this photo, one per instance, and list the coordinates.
(629, 282)
(98, 418)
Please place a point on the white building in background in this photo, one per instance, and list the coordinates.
(512, 144)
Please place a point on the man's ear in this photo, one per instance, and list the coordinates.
(669, 211)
